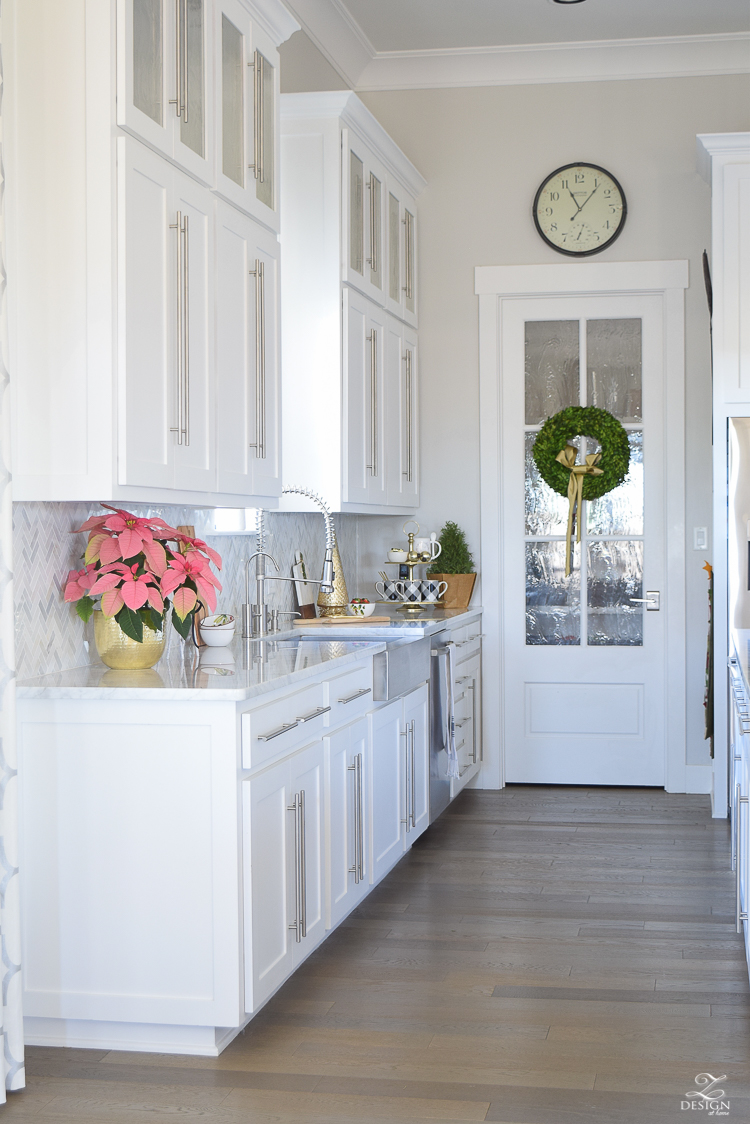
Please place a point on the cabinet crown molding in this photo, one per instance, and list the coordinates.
(345, 104)
(723, 147)
(276, 20)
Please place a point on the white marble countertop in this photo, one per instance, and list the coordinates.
(241, 671)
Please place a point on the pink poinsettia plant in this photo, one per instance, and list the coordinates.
(132, 567)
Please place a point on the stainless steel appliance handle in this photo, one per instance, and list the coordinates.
(740, 915)
(259, 444)
(178, 429)
(372, 339)
(294, 807)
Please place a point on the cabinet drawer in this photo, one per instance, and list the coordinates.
(282, 725)
(468, 640)
(349, 695)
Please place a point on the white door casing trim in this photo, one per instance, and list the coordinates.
(493, 284)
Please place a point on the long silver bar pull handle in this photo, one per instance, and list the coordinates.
(355, 806)
(186, 326)
(408, 251)
(259, 273)
(372, 261)
(294, 807)
(473, 688)
(407, 361)
(413, 777)
(180, 333)
(361, 805)
(184, 93)
(740, 914)
(257, 67)
(176, 101)
(372, 339)
(303, 864)
(407, 819)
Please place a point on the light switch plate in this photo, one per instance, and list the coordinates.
(700, 538)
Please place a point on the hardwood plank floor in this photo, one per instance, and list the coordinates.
(541, 956)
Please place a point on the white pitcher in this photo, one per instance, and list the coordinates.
(428, 546)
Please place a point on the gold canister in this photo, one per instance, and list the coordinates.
(334, 604)
(119, 651)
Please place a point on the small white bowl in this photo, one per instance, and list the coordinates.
(359, 610)
(217, 637)
(396, 555)
(208, 623)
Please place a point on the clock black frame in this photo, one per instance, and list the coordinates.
(596, 249)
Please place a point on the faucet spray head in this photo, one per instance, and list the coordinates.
(327, 578)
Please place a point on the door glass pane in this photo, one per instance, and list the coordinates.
(552, 600)
(620, 512)
(356, 214)
(376, 232)
(613, 349)
(148, 51)
(615, 574)
(264, 187)
(410, 253)
(232, 110)
(546, 512)
(192, 130)
(394, 262)
(551, 361)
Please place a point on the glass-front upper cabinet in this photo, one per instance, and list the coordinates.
(247, 114)
(165, 80)
(365, 219)
(401, 247)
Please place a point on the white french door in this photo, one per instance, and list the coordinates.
(584, 658)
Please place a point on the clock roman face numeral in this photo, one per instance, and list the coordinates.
(579, 209)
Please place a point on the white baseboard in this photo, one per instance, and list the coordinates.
(146, 1038)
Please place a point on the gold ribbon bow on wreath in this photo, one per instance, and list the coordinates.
(578, 472)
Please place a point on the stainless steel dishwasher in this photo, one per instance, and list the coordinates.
(441, 720)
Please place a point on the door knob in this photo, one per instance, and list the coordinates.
(652, 601)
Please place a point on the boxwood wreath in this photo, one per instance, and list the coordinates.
(555, 458)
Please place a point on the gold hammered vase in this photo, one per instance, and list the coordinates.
(118, 650)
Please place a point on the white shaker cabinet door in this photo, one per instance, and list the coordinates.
(364, 405)
(269, 886)
(346, 760)
(195, 465)
(387, 788)
(401, 253)
(416, 723)
(363, 218)
(147, 316)
(165, 79)
(402, 428)
(247, 355)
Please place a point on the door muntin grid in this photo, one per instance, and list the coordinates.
(587, 362)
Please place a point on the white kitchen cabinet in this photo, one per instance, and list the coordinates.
(283, 859)
(247, 113)
(402, 414)
(166, 269)
(364, 400)
(346, 843)
(112, 323)
(339, 170)
(467, 695)
(401, 253)
(247, 356)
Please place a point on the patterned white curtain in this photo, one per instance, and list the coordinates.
(11, 1031)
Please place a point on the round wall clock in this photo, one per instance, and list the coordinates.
(580, 209)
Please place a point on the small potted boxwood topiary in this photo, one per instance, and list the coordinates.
(455, 566)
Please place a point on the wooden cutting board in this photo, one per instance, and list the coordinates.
(342, 620)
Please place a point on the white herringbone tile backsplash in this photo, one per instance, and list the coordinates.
(49, 635)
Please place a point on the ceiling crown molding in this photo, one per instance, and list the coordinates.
(341, 40)
(594, 61)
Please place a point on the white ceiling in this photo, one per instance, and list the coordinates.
(412, 25)
(408, 44)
